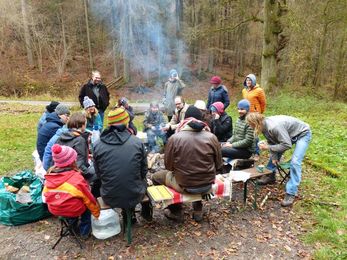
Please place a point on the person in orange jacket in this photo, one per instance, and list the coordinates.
(67, 193)
(254, 94)
(256, 97)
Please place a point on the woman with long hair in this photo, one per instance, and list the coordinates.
(281, 133)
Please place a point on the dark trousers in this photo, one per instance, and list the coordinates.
(235, 153)
(85, 224)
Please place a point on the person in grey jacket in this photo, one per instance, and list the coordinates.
(281, 132)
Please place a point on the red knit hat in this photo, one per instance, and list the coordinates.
(219, 106)
(215, 80)
(63, 156)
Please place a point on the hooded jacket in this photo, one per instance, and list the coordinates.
(171, 90)
(102, 102)
(47, 131)
(74, 139)
(255, 95)
(218, 94)
(194, 157)
(223, 126)
(121, 164)
(67, 194)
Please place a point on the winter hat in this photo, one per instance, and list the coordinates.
(252, 78)
(154, 104)
(87, 102)
(123, 101)
(193, 111)
(63, 156)
(244, 104)
(215, 80)
(62, 110)
(200, 104)
(118, 116)
(51, 107)
(219, 106)
(173, 73)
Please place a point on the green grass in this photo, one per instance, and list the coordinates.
(324, 185)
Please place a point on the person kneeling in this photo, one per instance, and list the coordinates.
(192, 159)
(67, 193)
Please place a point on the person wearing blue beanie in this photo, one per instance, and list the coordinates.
(242, 143)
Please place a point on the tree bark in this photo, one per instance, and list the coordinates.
(272, 29)
(91, 66)
(115, 53)
(339, 75)
(27, 37)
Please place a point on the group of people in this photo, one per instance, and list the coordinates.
(194, 140)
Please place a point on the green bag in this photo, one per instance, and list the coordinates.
(13, 213)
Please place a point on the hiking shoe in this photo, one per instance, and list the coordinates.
(267, 179)
(177, 216)
(197, 216)
(288, 200)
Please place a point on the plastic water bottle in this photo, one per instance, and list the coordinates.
(95, 134)
(107, 225)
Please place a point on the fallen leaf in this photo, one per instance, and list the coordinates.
(47, 237)
(288, 248)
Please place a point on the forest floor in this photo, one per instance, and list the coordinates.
(228, 230)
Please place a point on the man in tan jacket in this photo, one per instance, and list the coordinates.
(180, 111)
(192, 159)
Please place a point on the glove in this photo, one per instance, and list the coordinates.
(207, 196)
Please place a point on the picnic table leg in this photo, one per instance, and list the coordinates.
(245, 193)
(129, 215)
(255, 194)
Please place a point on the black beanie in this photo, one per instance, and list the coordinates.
(52, 106)
(192, 111)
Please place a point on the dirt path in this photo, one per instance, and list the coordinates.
(269, 233)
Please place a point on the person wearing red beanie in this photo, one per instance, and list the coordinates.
(218, 92)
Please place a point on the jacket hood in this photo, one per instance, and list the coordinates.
(252, 78)
(53, 117)
(55, 179)
(115, 135)
(69, 135)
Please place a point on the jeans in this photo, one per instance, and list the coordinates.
(85, 225)
(152, 142)
(301, 146)
(101, 113)
(235, 153)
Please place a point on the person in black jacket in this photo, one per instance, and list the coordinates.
(221, 124)
(77, 138)
(121, 163)
(97, 91)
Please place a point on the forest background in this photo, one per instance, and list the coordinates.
(297, 49)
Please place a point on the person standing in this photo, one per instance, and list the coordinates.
(256, 97)
(97, 91)
(217, 93)
(172, 88)
(281, 133)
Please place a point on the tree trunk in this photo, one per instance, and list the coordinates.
(115, 53)
(91, 66)
(179, 48)
(63, 58)
(339, 75)
(27, 37)
(272, 28)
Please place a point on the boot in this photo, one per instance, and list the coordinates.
(268, 179)
(174, 212)
(288, 200)
(197, 211)
(147, 211)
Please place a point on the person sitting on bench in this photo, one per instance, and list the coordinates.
(281, 133)
(192, 159)
(120, 162)
(242, 144)
(67, 193)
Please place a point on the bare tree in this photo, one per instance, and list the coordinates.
(27, 33)
(91, 66)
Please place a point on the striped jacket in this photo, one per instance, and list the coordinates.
(243, 135)
(255, 96)
(68, 194)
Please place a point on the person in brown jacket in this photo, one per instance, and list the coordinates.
(192, 158)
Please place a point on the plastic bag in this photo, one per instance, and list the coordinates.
(95, 136)
(107, 225)
(13, 213)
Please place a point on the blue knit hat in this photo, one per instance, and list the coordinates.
(244, 104)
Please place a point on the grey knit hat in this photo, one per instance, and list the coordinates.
(62, 110)
(87, 102)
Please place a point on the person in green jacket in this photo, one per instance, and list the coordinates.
(242, 144)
